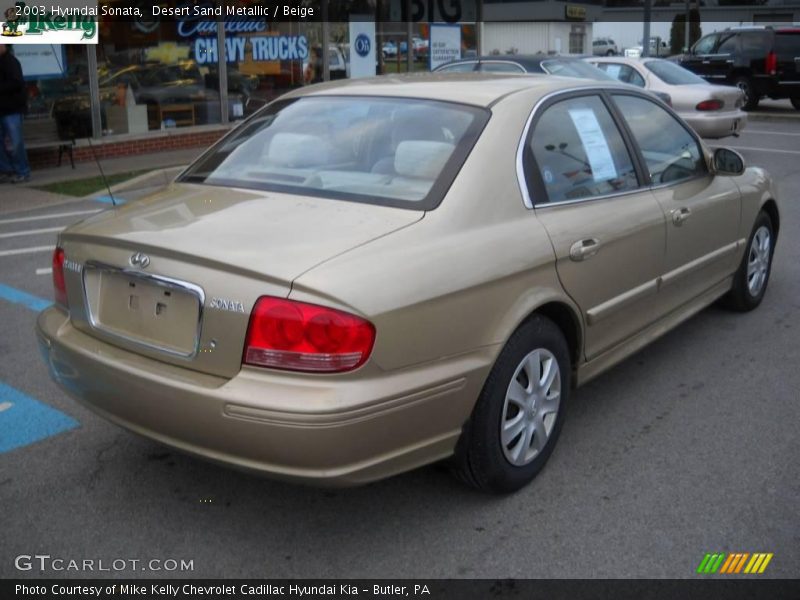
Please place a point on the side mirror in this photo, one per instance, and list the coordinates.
(728, 162)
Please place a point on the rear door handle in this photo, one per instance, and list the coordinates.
(583, 249)
(679, 215)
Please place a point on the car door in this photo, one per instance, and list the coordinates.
(698, 60)
(606, 227)
(702, 210)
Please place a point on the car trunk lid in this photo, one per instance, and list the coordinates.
(175, 276)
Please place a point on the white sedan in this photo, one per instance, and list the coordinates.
(714, 111)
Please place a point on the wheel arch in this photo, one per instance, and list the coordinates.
(567, 320)
(771, 208)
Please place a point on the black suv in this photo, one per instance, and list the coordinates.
(762, 61)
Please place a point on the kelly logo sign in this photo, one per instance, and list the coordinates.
(66, 23)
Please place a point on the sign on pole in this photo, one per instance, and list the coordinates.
(362, 48)
(445, 44)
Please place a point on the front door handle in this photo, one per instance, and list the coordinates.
(679, 215)
(583, 249)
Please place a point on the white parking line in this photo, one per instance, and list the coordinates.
(30, 232)
(768, 132)
(759, 149)
(30, 250)
(45, 271)
(74, 213)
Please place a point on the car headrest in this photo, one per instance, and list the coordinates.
(298, 150)
(421, 159)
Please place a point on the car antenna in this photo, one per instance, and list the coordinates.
(88, 138)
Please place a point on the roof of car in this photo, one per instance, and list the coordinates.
(480, 89)
(526, 60)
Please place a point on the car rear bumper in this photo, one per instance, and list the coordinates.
(327, 430)
(716, 125)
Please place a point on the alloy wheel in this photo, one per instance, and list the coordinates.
(758, 258)
(531, 407)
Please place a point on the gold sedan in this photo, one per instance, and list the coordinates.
(372, 275)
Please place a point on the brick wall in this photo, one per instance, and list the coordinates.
(157, 142)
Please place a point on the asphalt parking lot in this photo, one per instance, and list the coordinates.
(688, 447)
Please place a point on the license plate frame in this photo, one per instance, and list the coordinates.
(92, 277)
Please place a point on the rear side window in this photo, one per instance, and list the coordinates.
(754, 44)
(671, 153)
(787, 45)
(457, 68)
(579, 152)
(622, 72)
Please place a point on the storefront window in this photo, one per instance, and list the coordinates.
(56, 76)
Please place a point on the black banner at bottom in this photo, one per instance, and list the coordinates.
(544, 589)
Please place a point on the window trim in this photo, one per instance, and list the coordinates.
(443, 68)
(638, 150)
(535, 188)
(529, 191)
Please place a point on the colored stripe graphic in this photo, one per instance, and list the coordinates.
(23, 298)
(733, 563)
(24, 420)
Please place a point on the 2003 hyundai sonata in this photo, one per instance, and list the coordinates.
(368, 276)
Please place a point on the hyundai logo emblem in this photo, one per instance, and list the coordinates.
(140, 260)
(362, 44)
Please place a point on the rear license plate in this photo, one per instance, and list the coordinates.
(143, 310)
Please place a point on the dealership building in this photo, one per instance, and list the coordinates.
(169, 81)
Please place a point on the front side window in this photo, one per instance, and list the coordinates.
(392, 151)
(671, 153)
(705, 45)
(727, 44)
(579, 152)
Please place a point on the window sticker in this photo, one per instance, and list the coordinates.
(594, 144)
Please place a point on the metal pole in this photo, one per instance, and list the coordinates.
(646, 31)
(326, 40)
(222, 71)
(409, 33)
(686, 30)
(94, 91)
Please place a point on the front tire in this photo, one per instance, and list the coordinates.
(519, 414)
(752, 276)
(751, 98)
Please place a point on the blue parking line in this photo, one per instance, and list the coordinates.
(24, 420)
(109, 200)
(24, 298)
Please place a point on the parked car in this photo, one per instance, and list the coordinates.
(604, 47)
(564, 66)
(761, 61)
(379, 274)
(658, 47)
(418, 44)
(713, 111)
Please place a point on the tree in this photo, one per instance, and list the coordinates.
(677, 34)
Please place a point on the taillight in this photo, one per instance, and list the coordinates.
(285, 334)
(59, 285)
(771, 63)
(710, 105)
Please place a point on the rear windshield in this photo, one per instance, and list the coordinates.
(673, 74)
(575, 68)
(393, 151)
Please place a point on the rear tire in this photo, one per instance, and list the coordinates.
(751, 98)
(752, 276)
(610, 53)
(528, 410)
(796, 102)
